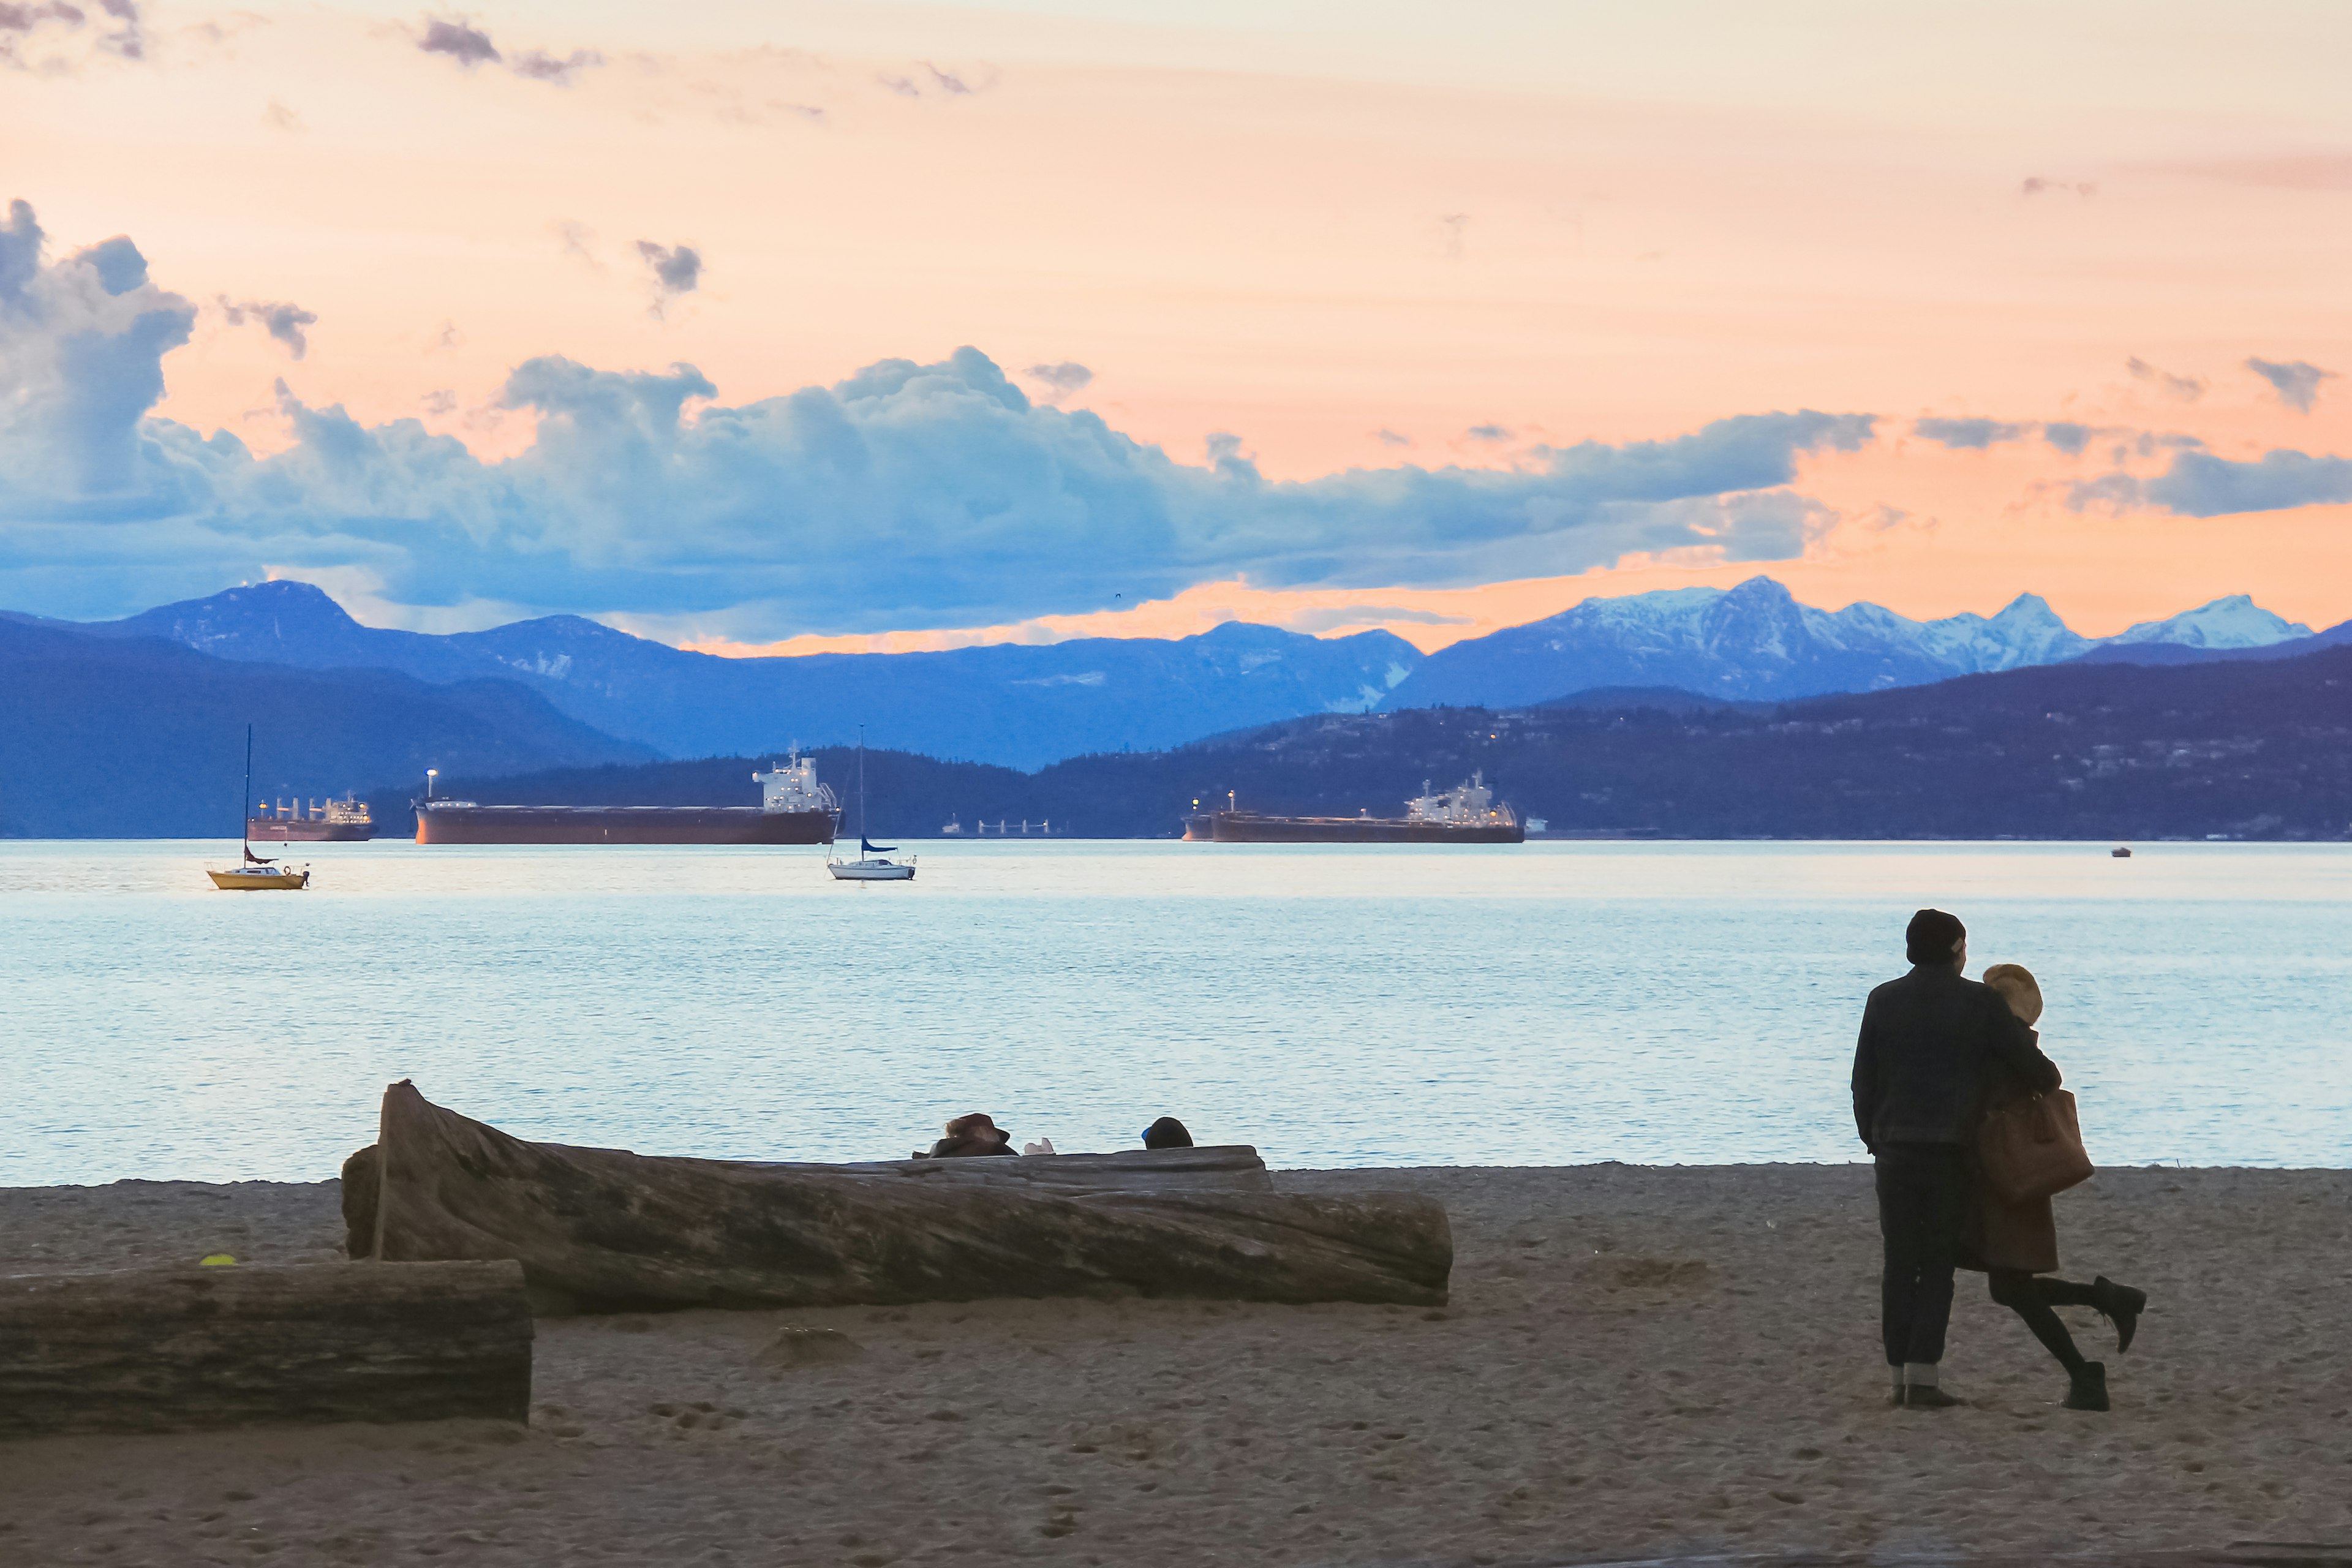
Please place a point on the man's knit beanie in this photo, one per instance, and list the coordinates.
(1933, 937)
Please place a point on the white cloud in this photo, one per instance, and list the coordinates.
(922, 494)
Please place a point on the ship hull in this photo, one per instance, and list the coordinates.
(273, 830)
(621, 824)
(1248, 827)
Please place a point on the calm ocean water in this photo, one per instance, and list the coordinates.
(1549, 1004)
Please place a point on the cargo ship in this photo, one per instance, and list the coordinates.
(344, 821)
(793, 809)
(1466, 814)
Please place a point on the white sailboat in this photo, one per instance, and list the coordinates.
(872, 864)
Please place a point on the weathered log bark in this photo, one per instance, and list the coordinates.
(162, 1350)
(1232, 1167)
(604, 1229)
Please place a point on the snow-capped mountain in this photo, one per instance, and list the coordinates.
(1018, 704)
(2234, 622)
(1755, 642)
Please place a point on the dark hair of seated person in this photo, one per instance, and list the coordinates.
(1167, 1134)
(969, 1135)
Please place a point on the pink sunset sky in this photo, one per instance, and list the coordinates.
(2085, 267)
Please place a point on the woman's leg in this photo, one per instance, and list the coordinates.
(2066, 1293)
(2027, 1297)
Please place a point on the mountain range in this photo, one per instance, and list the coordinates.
(1021, 705)
(1025, 705)
(136, 737)
(2250, 749)
(1755, 642)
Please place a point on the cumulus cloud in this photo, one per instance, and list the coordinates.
(926, 493)
(27, 24)
(2199, 484)
(1488, 433)
(2296, 382)
(2035, 184)
(674, 271)
(81, 348)
(1387, 438)
(117, 261)
(462, 42)
(1968, 434)
(2188, 388)
(538, 64)
(2069, 437)
(471, 46)
(1061, 380)
(285, 321)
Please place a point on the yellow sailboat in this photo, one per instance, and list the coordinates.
(255, 872)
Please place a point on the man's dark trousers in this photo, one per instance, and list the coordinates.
(1922, 1194)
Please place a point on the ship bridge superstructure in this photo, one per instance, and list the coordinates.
(792, 786)
(1470, 804)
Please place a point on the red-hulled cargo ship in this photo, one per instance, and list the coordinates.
(793, 809)
(1466, 814)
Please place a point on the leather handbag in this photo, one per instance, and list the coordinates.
(2032, 1148)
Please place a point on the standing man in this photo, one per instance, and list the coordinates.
(1928, 1045)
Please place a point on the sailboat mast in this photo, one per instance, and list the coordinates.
(244, 807)
(861, 788)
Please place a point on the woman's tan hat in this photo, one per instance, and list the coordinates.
(2017, 988)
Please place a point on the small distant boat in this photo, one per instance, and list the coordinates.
(256, 873)
(871, 865)
(2120, 852)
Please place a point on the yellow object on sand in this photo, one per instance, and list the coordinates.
(218, 1260)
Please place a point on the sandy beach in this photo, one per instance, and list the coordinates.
(1635, 1360)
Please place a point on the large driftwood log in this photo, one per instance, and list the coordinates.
(178, 1348)
(604, 1229)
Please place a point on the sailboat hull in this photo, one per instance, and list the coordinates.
(255, 881)
(870, 871)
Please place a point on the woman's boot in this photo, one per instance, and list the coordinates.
(2088, 1389)
(2120, 1305)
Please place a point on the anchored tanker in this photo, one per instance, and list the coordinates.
(793, 809)
(344, 821)
(1466, 814)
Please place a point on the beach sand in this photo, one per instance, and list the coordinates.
(1635, 1362)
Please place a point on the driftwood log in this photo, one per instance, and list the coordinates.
(160, 1350)
(608, 1230)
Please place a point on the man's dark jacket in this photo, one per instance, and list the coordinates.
(1931, 1043)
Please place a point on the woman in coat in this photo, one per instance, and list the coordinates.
(2015, 1244)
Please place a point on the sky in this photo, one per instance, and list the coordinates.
(783, 327)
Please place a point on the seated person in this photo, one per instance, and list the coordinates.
(969, 1135)
(1167, 1134)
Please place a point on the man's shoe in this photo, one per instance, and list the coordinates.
(1928, 1397)
(2120, 1305)
(2088, 1391)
